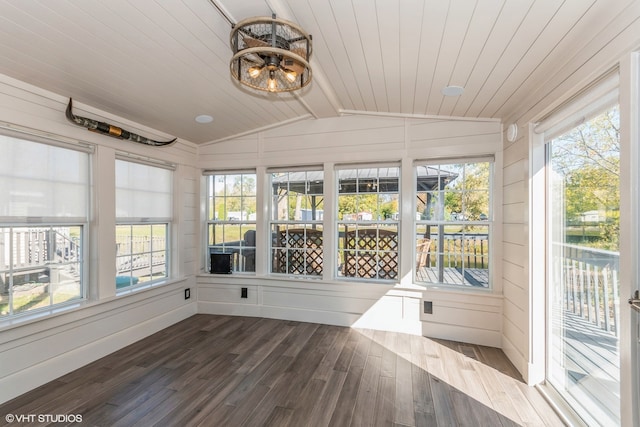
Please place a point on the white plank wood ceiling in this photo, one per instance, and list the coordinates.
(162, 63)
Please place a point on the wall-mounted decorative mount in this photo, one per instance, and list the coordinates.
(114, 131)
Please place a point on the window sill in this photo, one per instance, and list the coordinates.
(81, 308)
(128, 290)
(41, 314)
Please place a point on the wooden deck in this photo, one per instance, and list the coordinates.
(478, 277)
(592, 367)
(240, 371)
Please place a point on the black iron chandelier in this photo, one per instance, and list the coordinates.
(270, 54)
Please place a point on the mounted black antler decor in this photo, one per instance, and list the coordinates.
(114, 131)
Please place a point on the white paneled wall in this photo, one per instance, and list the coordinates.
(515, 253)
(473, 316)
(35, 350)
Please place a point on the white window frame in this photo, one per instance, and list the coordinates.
(429, 252)
(243, 251)
(281, 252)
(122, 222)
(362, 266)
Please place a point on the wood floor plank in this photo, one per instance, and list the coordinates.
(423, 409)
(119, 403)
(367, 392)
(404, 410)
(275, 394)
(323, 410)
(388, 367)
(344, 359)
(346, 401)
(384, 411)
(233, 370)
(496, 393)
(307, 402)
(139, 414)
(522, 405)
(279, 417)
(327, 364)
(209, 399)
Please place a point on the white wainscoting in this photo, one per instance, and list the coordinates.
(469, 317)
(472, 317)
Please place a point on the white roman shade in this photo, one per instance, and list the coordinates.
(143, 192)
(42, 183)
(595, 98)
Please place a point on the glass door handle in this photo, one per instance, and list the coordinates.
(635, 300)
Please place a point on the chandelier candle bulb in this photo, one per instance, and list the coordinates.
(254, 72)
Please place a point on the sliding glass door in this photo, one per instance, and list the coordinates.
(583, 224)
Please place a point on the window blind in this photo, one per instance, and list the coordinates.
(143, 192)
(594, 98)
(41, 182)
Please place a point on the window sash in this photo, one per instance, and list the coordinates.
(458, 254)
(232, 234)
(41, 267)
(368, 237)
(140, 249)
(297, 245)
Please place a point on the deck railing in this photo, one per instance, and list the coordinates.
(136, 253)
(470, 250)
(587, 283)
(30, 252)
(35, 247)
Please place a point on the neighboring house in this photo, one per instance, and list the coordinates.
(593, 216)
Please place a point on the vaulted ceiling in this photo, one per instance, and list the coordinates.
(162, 63)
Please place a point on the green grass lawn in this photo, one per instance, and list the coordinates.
(32, 301)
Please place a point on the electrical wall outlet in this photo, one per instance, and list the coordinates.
(187, 293)
(428, 307)
(243, 293)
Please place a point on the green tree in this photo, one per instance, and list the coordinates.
(469, 192)
(587, 160)
(387, 209)
(235, 193)
(356, 203)
(590, 188)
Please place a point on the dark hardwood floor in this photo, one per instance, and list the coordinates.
(234, 371)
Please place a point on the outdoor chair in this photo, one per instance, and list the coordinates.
(249, 250)
(423, 253)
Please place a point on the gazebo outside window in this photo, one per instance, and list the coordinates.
(368, 220)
